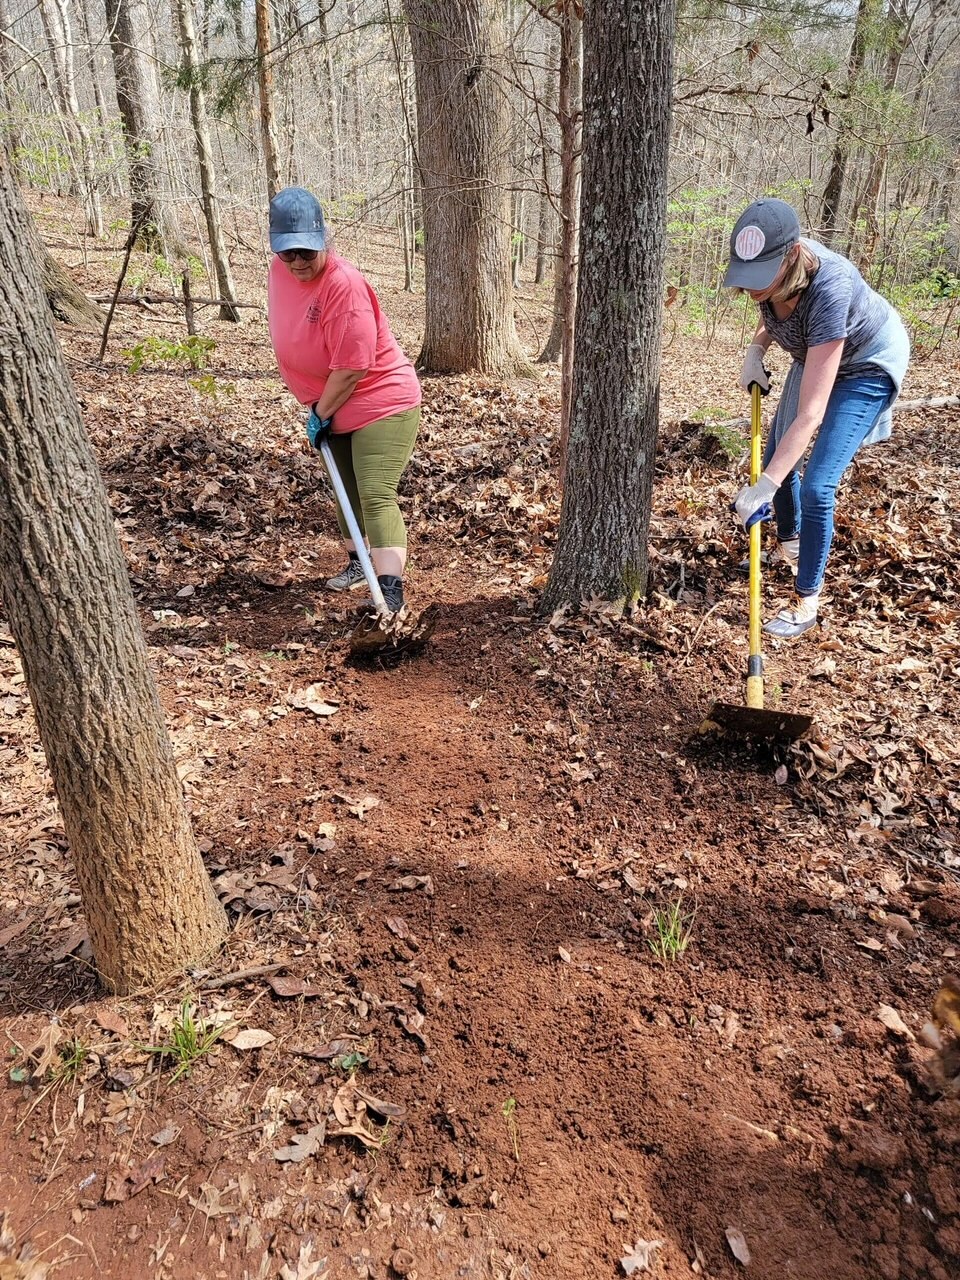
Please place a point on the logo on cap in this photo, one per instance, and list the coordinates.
(749, 243)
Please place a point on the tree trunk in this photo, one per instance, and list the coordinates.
(58, 24)
(67, 303)
(149, 904)
(332, 108)
(138, 98)
(570, 116)
(833, 191)
(11, 134)
(208, 173)
(96, 69)
(605, 517)
(463, 162)
(896, 39)
(268, 128)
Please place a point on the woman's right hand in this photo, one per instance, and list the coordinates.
(754, 370)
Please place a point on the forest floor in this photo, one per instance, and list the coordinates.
(465, 1058)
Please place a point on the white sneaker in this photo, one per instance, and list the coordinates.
(794, 620)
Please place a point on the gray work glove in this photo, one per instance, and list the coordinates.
(754, 370)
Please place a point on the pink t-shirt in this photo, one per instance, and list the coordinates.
(335, 322)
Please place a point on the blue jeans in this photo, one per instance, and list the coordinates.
(805, 507)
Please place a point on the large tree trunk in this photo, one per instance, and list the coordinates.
(149, 904)
(208, 173)
(66, 301)
(463, 162)
(138, 98)
(605, 517)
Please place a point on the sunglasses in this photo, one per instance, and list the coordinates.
(290, 255)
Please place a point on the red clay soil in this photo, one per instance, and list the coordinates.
(454, 880)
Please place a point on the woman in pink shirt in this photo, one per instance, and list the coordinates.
(337, 354)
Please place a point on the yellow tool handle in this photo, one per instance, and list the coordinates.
(755, 661)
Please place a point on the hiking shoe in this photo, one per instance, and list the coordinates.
(349, 578)
(392, 588)
(793, 622)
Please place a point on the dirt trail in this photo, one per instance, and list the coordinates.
(474, 948)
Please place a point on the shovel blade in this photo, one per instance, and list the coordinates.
(756, 722)
(385, 634)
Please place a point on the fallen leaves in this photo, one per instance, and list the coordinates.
(738, 1245)
(641, 1258)
(123, 1184)
(893, 1022)
(249, 1038)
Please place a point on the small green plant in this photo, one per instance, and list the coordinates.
(191, 1038)
(193, 350)
(349, 1063)
(73, 1058)
(730, 442)
(208, 386)
(672, 931)
(509, 1109)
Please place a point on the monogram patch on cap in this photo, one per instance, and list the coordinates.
(749, 243)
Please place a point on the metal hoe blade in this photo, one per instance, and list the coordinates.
(756, 722)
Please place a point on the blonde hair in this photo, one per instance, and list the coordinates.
(798, 274)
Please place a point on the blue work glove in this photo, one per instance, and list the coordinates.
(318, 428)
(755, 501)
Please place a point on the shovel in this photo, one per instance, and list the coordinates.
(755, 719)
(379, 631)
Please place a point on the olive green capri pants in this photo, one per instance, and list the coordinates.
(371, 461)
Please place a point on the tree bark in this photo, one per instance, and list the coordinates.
(138, 98)
(11, 133)
(268, 128)
(463, 159)
(605, 516)
(60, 33)
(833, 191)
(150, 907)
(570, 117)
(208, 173)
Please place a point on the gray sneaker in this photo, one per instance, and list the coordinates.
(348, 579)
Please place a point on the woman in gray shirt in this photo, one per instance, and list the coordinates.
(850, 352)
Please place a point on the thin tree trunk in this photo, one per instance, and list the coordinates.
(547, 218)
(11, 133)
(833, 191)
(138, 98)
(570, 114)
(208, 173)
(605, 516)
(105, 117)
(66, 75)
(463, 157)
(332, 109)
(149, 904)
(268, 131)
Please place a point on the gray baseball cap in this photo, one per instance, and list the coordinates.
(759, 242)
(296, 221)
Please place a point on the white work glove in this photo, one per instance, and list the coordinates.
(755, 501)
(754, 370)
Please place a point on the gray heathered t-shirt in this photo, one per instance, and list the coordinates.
(837, 303)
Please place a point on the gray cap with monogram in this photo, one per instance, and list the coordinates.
(764, 233)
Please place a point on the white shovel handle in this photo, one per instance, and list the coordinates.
(359, 545)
